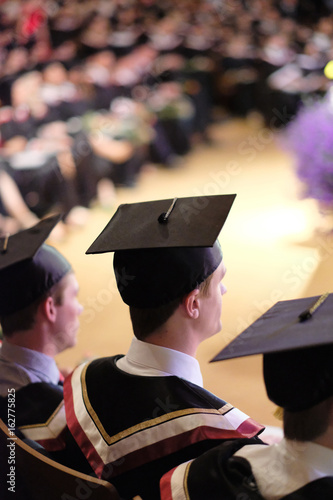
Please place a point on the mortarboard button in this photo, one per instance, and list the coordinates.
(164, 217)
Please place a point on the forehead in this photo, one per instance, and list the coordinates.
(220, 271)
(217, 275)
(69, 282)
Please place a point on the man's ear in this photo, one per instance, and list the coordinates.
(49, 309)
(191, 303)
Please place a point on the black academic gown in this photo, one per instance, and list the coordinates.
(219, 475)
(133, 429)
(39, 419)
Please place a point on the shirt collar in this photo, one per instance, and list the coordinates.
(147, 359)
(298, 464)
(41, 365)
(311, 454)
(314, 455)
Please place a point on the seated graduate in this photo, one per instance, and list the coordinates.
(39, 316)
(297, 344)
(14, 213)
(136, 416)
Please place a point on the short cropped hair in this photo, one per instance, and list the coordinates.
(25, 318)
(146, 321)
(309, 424)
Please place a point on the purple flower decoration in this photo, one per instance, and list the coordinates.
(309, 136)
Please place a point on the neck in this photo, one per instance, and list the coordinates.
(180, 332)
(326, 439)
(30, 339)
(175, 340)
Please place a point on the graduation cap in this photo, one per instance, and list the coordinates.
(29, 267)
(165, 248)
(296, 339)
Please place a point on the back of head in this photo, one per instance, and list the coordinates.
(301, 382)
(148, 320)
(301, 378)
(152, 278)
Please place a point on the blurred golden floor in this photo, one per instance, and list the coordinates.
(276, 247)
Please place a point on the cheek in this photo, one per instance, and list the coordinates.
(217, 304)
(75, 309)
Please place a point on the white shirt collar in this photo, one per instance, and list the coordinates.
(318, 457)
(149, 360)
(298, 464)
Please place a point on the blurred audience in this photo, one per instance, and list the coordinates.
(92, 92)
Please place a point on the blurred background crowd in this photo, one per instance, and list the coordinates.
(92, 92)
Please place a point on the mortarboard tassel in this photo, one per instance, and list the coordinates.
(5, 244)
(309, 312)
(278, 413)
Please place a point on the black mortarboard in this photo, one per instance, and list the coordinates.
(29, 267)
(165, 248)
(296, 339)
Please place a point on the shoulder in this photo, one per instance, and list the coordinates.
(12, 377)
(202, 393)
(37, 401)
(320, 488)
(215, 474)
